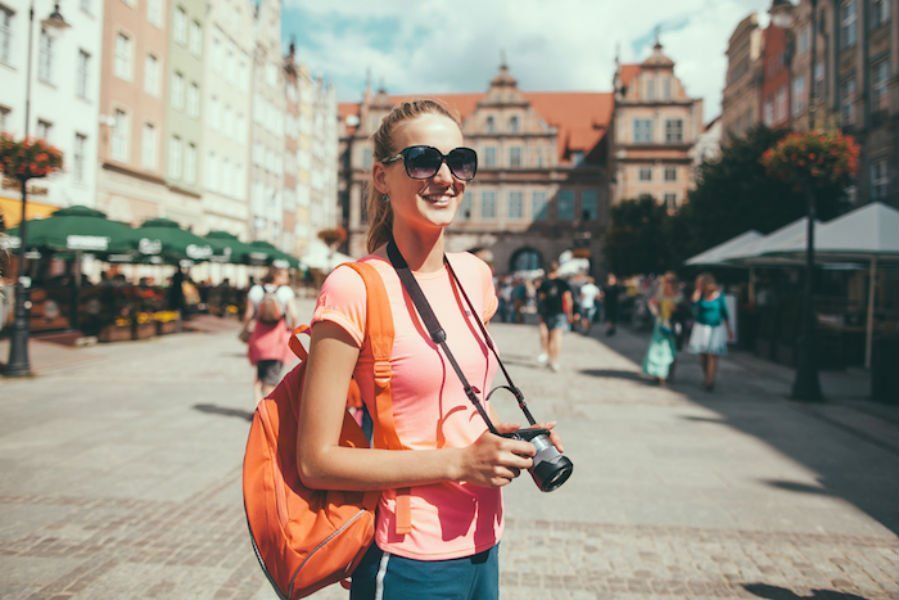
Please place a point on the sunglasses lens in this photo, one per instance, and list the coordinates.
(463, 162)
(422, 162)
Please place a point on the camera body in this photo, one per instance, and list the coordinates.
(551, 468)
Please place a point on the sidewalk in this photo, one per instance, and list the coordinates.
(121, 479)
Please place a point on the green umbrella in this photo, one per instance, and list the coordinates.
(77, 228)
(265, 253)
(163, 240)
(227, 248)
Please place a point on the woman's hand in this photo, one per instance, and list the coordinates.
(494, 461)
(553, 436)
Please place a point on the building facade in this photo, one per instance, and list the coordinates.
(655, 123)
(65, 99)
(542, 184)
(294, 216)
(740, 108)
(227, 73)
(320, 131)
(133, 90)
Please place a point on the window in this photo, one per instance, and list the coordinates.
(780, 104)
(178, 90)
(670, 173)
(121, 131)
(6, 30)
(515, 156)
(122, 66)
(642, 131)
(190, 164)
(79, 151)
(148, 145)
(879, 97)
(803, 41)
(45, 58)
(879, 179)
(674, 131)
(193, 100)
(83, 74)
(44, 130)
(211, 170)
(155, 12)
(645, 173)
(175, 160)
(798, 95)
(179, 26)
(650, 85)
(589, 205)
(847, 101)
(4, 118)
(819, 79)
(670, 202)
(86, 6)
(847, 23)
(513, 124)
(768, 112)
(490, 124)
(490, 156)
(539, 206)
(666, 88)
(577, 157)
(151, 75)
(196, 42)
(488, 205)
(465, 208)
(565, 205)
(516, 205)
(880, 12)
(366, 158)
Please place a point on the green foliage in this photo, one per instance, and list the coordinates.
(637, 241)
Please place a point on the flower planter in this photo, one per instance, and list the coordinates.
(115, 333)
(167, 327)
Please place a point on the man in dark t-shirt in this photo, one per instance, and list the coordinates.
(612, 291)
(554, 307)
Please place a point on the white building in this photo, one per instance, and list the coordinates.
(65, 87)
(708, 143)
(226, 122)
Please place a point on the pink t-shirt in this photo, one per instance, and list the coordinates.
(449, 519)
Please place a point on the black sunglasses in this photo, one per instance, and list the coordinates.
(423, 162)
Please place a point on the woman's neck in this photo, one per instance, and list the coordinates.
(423, 251)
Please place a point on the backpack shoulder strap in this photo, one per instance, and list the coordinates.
(379, 332)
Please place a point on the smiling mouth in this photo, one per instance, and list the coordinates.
(439, 199)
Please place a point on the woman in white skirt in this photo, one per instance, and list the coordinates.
(712, 330)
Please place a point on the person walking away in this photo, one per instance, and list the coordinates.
(505, 299)
(612, 296)
(519, 299)
(439, 520)
(269, 318)
(554, 307)
(662, 352)
(588, 297)
(711, 330)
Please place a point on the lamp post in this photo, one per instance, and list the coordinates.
(18, 364)
(807, 385)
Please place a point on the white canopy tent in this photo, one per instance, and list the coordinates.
(720, 254)
(760, 251)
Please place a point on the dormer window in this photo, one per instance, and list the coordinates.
(513, 124)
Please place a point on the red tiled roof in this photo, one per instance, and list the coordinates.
(582, 118)
(628, 73)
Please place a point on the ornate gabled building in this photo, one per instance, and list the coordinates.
(542, 186)
(655, 125)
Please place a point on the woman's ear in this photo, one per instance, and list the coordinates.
(379, 177)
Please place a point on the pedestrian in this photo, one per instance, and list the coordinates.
(711, 330)
(519, 299)
(611, 297)
(588, 299)
(506, 303)
(450, 480)
(268, 320)
(662, 352)
(554, 307)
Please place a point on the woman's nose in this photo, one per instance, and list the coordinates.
(443, 175)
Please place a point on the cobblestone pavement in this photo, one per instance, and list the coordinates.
(121, 475)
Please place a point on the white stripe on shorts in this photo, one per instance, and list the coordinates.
(379, 580)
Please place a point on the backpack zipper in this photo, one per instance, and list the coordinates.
(277, 480)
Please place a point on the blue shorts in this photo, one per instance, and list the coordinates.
(386, 576)
(559, 321)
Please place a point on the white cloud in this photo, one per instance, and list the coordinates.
(454, 45)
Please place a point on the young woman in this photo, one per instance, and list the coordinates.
(711, 330)
(662, 352)
(267, 347)
(455, 468)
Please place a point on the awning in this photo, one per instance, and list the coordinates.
(163, 240)
(265, 253)
(724, 251)
(76, 228)
(226, 248)
(11, 209)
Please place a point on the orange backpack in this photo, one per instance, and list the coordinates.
(307, 539)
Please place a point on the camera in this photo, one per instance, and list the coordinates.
(550, 469)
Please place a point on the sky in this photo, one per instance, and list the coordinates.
(434, 46)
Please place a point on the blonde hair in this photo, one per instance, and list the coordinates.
(380, 215)
(708, 284)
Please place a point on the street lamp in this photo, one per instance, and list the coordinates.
(807, 385)
(18, 364)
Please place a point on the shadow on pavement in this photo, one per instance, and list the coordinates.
(616, 374)
(224, 411)
(829, 439)
(773, 592)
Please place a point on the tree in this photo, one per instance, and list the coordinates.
(735, 193)
(637, 239)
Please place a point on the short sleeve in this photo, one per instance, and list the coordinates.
(490, 300)
(342, 301)
(255, 294)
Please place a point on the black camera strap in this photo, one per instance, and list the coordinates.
(438, 334)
